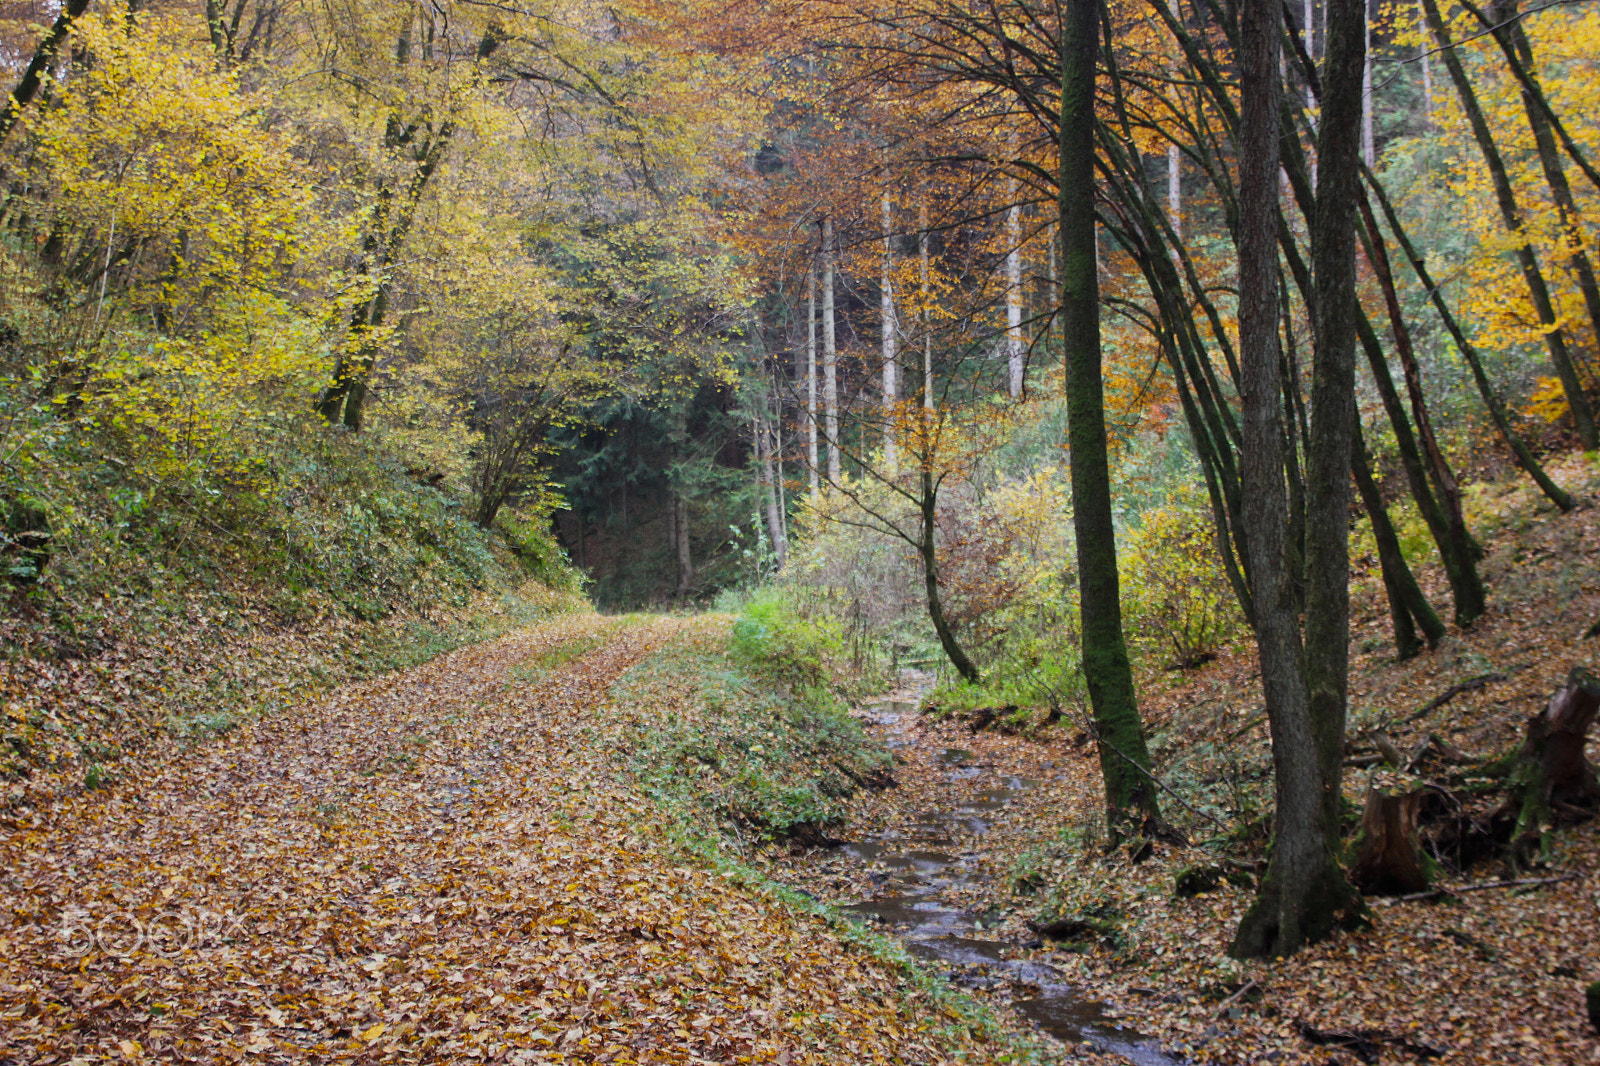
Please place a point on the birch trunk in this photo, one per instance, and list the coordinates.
(1014, 299)
(811, 379)
(891, 383)
(830, 355)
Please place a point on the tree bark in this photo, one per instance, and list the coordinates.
(1304, 895)
(1333, 412)
(1014, 300)
(811, 379)
(1522, 70)
(1514, 42)
(1409, 609)
(1124, 759)
(927, 319)
(830, 355)
(1552, 777)
(887, 326)
(1444, 478)
(680, 517)
(928, 549)
(1511, 216)
(1389, 857)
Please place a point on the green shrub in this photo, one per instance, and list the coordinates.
(1177, 601)
(772, 638)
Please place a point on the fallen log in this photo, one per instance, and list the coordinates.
(1367, 1044)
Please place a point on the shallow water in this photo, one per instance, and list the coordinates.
(921, 861)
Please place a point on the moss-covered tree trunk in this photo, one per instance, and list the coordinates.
(1552, 777)
(1124, 759)
(1408, 606)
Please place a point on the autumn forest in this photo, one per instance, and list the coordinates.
(799, 531)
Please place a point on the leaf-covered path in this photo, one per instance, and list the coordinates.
(442, 865)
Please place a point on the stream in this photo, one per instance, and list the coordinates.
(913, 868)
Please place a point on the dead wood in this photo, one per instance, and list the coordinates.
(1367, 1044)
(1551, 778)
(1484, 886)
(1389, 856)
(1471, 684)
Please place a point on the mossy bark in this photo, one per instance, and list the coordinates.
(1124, 759)
(1551, 778)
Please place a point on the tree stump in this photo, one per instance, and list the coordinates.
(1389, 856)
(1552, 779)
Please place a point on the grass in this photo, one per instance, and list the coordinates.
(728, 747)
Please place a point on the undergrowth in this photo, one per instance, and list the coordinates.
(187, 600)
(736, 743)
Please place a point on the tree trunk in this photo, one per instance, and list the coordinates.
(1174, 192)
(1514, 42)
(1014, 300)
(44, 57)
(1444, 478)
(1333, 413)
(1460, 563)
(1511, 216)
(830, 355)
(1304, 895)
(1409, 609)
(769, 492)
(811, 379)
(1124, 759)
(680, 514)
(1520, 60)
(891, 382)
(928, 549)
(927, 318)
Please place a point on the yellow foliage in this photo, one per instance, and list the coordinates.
(1176, 595)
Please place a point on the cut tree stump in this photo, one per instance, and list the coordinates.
(1552, 779)
(1389, 856)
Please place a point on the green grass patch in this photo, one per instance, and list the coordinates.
(724, 746)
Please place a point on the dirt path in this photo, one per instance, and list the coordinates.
(438, 866)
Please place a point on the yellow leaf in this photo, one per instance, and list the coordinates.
(372, 1035)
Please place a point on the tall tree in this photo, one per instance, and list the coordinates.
(1124, 759)
(1304, 894)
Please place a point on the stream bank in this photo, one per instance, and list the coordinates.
(923, 863)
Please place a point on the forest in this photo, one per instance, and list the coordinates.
(799, 531)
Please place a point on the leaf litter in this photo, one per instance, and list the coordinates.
(437, 866)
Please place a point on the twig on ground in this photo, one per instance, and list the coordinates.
(1471, 684)
(1482, 886)
(1240, 993)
